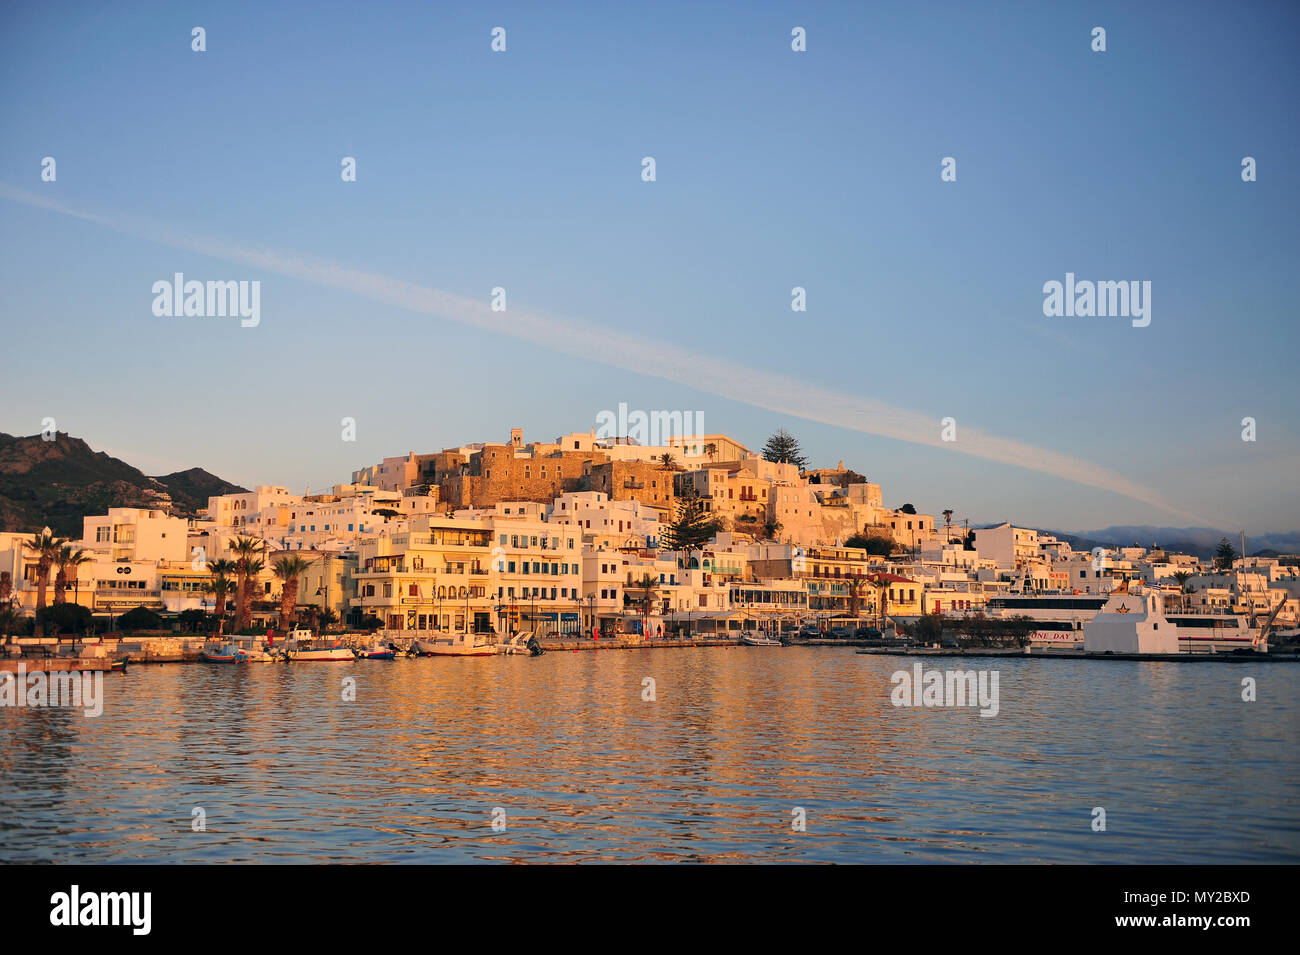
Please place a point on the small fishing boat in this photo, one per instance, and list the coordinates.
(223, 653)
(376, 652)
(302, 646)
(753, 638)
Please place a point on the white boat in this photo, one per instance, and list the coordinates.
(1212, 632)
(302, 646)
(518, 644)
(1136, 623)
(1059, 618)
(456, 645)
(753, 638)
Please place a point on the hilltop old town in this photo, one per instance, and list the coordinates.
(586, 537)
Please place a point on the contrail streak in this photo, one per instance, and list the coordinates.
(761, 389)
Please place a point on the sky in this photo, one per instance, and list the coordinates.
(774, 169)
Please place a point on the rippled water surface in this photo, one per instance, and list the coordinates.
(711, 770)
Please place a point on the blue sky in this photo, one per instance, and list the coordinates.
(775, 169)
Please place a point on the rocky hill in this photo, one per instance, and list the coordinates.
(56, 483)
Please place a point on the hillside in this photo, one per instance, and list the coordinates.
(1200, 541)
(56, 483)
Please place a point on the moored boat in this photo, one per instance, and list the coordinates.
(301, 646)
(457, 645)
(754, 638)
(223, 653)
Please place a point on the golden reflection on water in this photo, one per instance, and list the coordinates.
(585, 769)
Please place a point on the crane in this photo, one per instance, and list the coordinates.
(1260, 640)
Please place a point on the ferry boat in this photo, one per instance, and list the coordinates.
(1212, 632)
(301, 646)
(1137, 623)
(1059, 619)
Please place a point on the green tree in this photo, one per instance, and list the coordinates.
(288, 570)
(139, 618)
(246, 551)
(193, 621)
(1182, 577)
(928, 629)
(692, 527)
(46, 547)
(783, 448)
(222, 572)
(907, 509)
(649, 587)
(64, 618)
(1224, 555)
(67, 563)
(875, 544)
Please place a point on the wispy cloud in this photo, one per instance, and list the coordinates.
(785, 394)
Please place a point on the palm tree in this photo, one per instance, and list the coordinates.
(220, 585)
(7, 615)
(947, 522)
(711, 450)
(648, 587)
(1182, 577)
(857, 583)
(667, 461)
(252, 567)
(881, 583)
(46, 546)
(288, 570)
(245, 550)
(326, 618)
(67, 561)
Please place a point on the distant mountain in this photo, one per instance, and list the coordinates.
(1200, 541)
(56, 483)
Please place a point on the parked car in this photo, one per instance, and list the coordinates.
(867, 633)
(840, 633)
